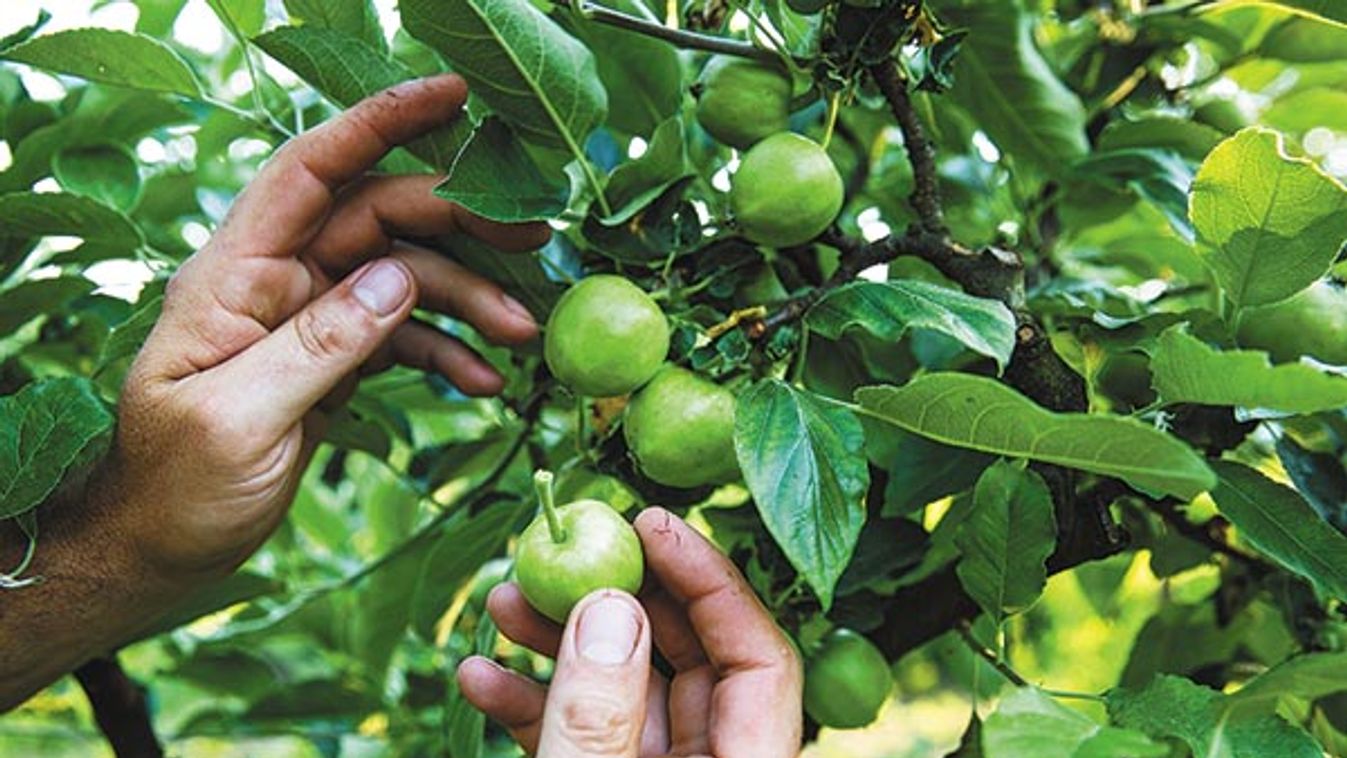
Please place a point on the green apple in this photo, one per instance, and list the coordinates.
(605, 337)
(572, 550)
(680, 430)
(741, 101)
(786, 191)
(846, 682)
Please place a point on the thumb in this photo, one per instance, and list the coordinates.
(277, 380)
(596, 704)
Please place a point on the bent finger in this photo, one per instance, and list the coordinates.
(284, 207)
(511, 700)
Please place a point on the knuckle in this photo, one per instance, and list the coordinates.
(597, 724)
(322, 336)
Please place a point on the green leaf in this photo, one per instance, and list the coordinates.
(39, 297)
(1277, 520)
(43, 214)
(1299, 112)
(643, 76)
(1308, 677)
(47, 431)
(347, 70)
(982, 414)
(1324, 10)
(465, 545)
(920, 471)
(1191, 139)
(1174, 707)
(1304, 40)
(1161, 177)
(494, 177)
(243, 18)
(519, 62)
(1269, 225)
(125, 339)
(801, 458)
(106, 173)
(1006, 540)
(634, 185)
(1186, 370)
(1029, 723)
(110, 57)
(1010, 90)
(354, 18)
(888, 309)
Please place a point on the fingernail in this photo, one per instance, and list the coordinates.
(516, 307)
(608, 630)
(382, 287)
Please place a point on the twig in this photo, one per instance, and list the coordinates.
(120, 707)
(925, 197)
(966, 632)
(678, 37)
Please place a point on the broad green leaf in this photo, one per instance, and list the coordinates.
(1325, 10)
(1012, 93)
(157, 17)
(465, 724)
(920, 471)
(243, 18)
(1309, 677)
(347, 70)
(103, 116)
(1174, 707)
(1305, 40)
(39, 297)
(1268, 224)
(1299, 112)
(519, 62)
(494, 177)
(47, 431)
(126, 337)
(1028, 722)
(465, 544)
(643, 76)
(1277, 520)
(888, 309)
(802, 460)
(1186, 370)
(43, 214)
(106, 173)
(1006, 540)
(354, 18)
(1161, 177)
(982, 414)
(1180, 639)
(636, 184)
(111, 57)
(1191, 139)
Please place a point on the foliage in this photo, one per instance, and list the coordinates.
(935, 447)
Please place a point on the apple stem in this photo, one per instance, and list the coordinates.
(542, 484)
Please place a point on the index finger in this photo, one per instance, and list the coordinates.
(284, 207)
(756, 710)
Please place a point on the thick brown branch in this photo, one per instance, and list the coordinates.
(120, 707)
(925, 197)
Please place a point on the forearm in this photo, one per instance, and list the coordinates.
(95, 593)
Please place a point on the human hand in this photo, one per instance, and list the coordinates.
(305, 286)
(736, 688)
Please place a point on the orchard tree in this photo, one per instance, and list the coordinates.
(997, 341)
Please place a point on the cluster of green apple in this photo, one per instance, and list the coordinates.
(608, 338)
(786, 191)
